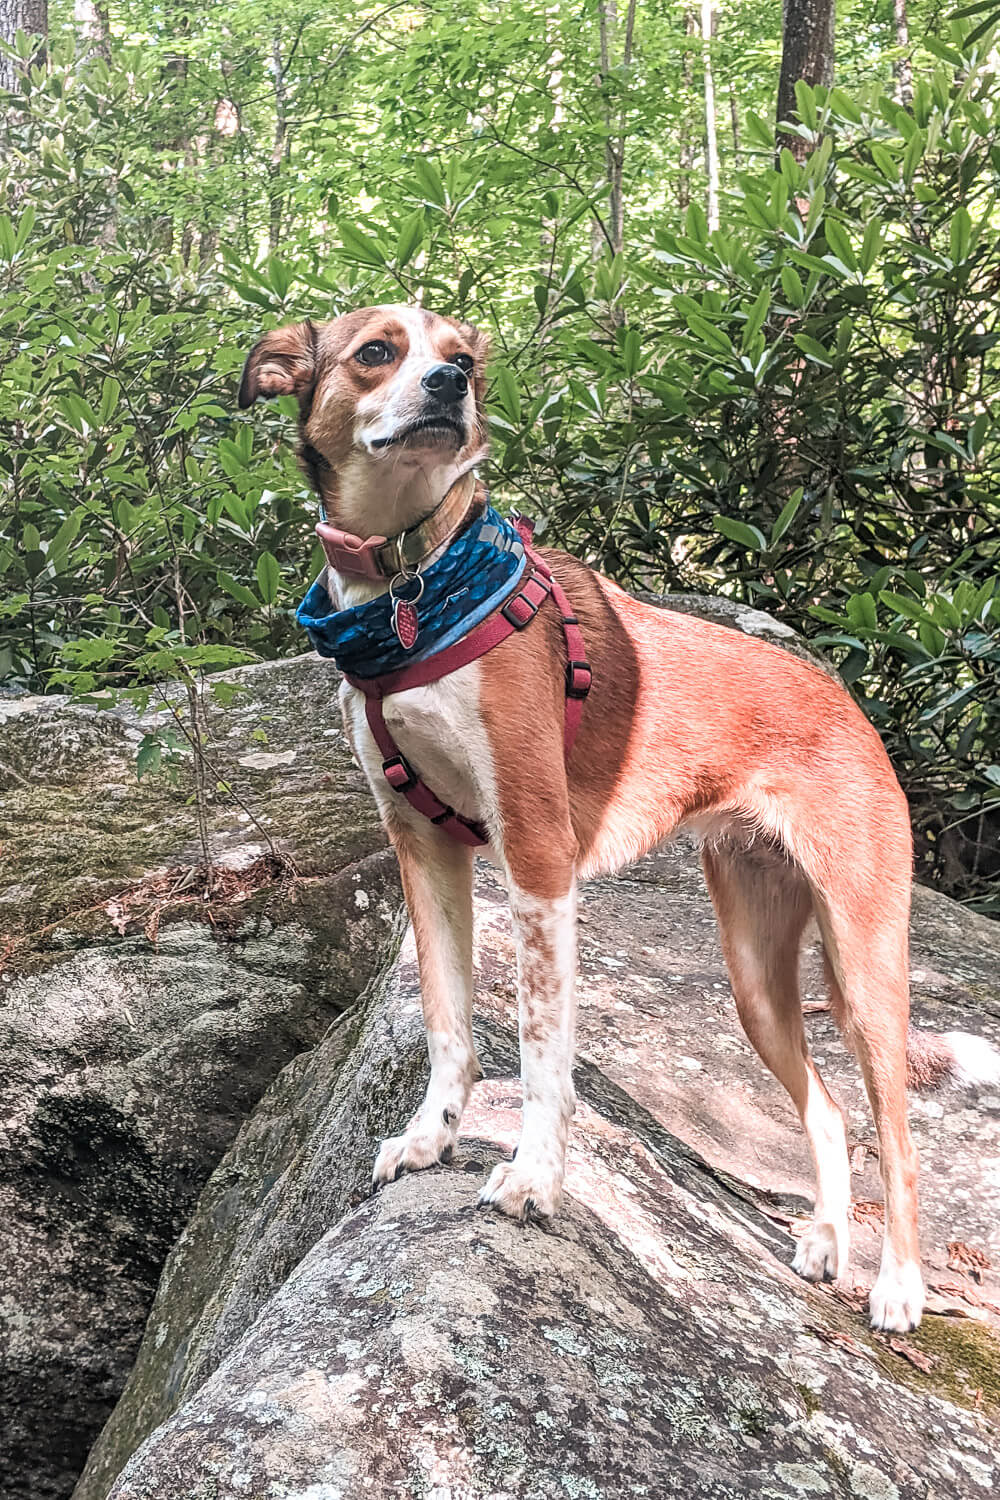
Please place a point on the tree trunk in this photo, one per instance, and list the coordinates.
(279, 146)
(686, 152)
(902, 67)
(607, 20)
(614, 146)
(90, 20)
(29, 16)
(711, 134)
(806, 54)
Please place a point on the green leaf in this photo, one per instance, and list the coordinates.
(910, 609)
(429, 180)
(716, 338)
(359, 247)
(839, 242)
(871, 245)
(411, 235)
(805, 102)
(961, 235)
(509, 393)
(792, 286)
(813, 350)
(757, 314)
(60, 543)
(861, 611)
(947, 444)
(148, 756)
(738, 531)
(268, 577)
(759, 131)
(238, 590)
(26, 224)
(110, 392)
(788, 513)
(695, 223)
(280, 276)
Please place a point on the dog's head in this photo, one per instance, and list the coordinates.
(390, 405)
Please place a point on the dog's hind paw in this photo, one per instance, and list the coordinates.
(821, 1253)
(522, 1190)
(412, 1152)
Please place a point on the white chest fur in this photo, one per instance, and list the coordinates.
(440, 731)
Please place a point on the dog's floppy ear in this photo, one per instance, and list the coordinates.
(283, 363)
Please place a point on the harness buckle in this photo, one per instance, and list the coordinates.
(522, 609)
(399, 773)
(578, 679)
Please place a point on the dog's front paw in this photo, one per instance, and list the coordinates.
(521, 1188)
(418, 1148)
(821, 1253)
(897, 1298)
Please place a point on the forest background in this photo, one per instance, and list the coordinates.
(726, 359)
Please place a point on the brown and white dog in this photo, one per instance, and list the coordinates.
(688, 725)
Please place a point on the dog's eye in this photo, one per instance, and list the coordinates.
(375, 352)
(464, 361)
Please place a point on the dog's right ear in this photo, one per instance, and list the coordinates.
(283, 363)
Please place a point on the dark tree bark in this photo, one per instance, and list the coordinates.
(806, 54)
(29, 16)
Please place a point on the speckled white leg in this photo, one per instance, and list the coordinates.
(437, 878)
(545, 932)
(822, 1251)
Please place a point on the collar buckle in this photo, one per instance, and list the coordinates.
(350, 554)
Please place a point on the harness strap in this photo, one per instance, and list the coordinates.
(518, 612)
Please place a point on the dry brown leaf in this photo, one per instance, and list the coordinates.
(867, 1212)
(949, 1307)
(855, 1298)
(918, 1360)
(967, 1258)
(839, 1340)
(814, 1007)
(966, 1292)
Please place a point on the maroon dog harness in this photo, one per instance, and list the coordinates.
(518, 612)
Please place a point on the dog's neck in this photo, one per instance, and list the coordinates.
(384, 496)
(355, 501)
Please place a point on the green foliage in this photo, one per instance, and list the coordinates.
(799, 409)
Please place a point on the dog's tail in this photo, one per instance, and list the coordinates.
(955, 1057)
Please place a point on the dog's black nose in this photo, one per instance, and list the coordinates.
(446, 383)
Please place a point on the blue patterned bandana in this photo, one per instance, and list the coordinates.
(473, 577)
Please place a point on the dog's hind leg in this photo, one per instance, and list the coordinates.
(762, 904)
(437, 882)
(866, 943)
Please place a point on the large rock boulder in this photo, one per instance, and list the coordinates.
(140, 1022)
(310, 1342)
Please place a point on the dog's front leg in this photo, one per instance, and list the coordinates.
(437, 882)
(543, 907)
